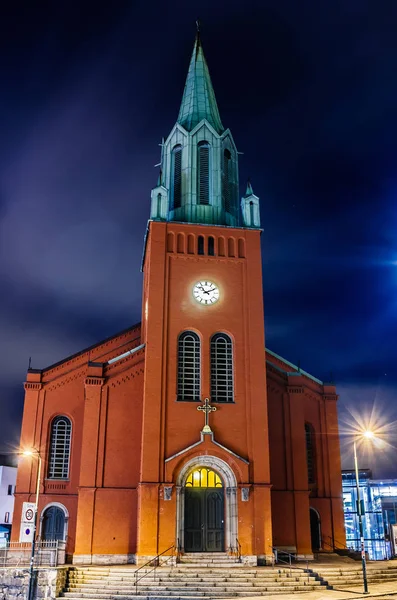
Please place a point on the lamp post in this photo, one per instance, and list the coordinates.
(367, 435)
(36, 454)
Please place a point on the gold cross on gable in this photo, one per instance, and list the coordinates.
(207, 409)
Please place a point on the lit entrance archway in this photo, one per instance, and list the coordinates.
(204, 511)
(220, 502)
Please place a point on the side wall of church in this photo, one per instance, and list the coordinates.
(293, 401)
(104, 404)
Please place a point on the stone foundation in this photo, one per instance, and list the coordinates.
(14, 582)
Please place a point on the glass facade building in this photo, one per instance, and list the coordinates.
(380, 517)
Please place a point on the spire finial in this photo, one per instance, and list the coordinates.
(249, 191)
(198, 101)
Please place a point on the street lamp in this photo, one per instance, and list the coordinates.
(368, 435)
(36, 454)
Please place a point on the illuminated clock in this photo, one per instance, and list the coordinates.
(206, 292)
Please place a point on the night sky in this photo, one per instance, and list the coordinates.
(309, 91)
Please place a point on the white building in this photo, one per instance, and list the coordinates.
(8, 477)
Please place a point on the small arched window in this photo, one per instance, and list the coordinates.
(59, 454)
(222, 368)
(227, 185)
(203, 170)
(211, 246)
(189, 367)
(200, 244)
(176, 177)
(310, 453)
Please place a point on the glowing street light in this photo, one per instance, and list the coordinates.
(368, 435)
(34, 454)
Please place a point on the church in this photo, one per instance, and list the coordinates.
(185, 430)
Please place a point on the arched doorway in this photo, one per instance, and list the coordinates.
(315, 530)
(228, 480)
(53, 524)
(204, 511)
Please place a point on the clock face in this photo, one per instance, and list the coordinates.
(206, 292)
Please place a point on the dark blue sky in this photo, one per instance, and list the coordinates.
(309, 91)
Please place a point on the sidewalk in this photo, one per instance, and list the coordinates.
(380, 590)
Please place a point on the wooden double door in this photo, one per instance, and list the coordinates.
(204, 519)
(53, 527)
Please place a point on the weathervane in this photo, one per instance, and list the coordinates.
(207, 409)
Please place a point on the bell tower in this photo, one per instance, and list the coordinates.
(203, 330)
(198, 180)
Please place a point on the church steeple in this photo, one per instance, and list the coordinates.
(199, 160)
(198, 100)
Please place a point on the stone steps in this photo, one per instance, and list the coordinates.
(192, 580)
(186, 580)
(186, 591)
(183, 584)
(349, 577)
(190, 577)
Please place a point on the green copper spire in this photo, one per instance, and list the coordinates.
(198, 100)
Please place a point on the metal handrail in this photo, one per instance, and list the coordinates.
(277, 559)
(156, 561)
(178, 550)
(335, 545)
(238, 550)
(235, 550)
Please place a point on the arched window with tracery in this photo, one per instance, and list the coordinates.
(222, 376)
(188, 367)
(203, 170)
(310, 453)
(176, 176)
(59, 452)
(203, 477)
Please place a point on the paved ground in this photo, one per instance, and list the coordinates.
(383, 591)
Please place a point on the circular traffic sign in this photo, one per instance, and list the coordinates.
(29, 514)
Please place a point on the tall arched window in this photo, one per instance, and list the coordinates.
(176, 176)
(59, 454)
(222, 368)
(310, 453)
(203, 170)
(189, 366)
(227, 182)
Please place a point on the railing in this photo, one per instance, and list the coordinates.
(154, 563)
(277, 553)
(17, 554)
(235, 550)
(238, 550)
(334, 544)
(178, 551)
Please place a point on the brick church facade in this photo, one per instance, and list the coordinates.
(135, 459)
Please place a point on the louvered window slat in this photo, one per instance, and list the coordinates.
(176, 177)
(227, 181)
(189, 366)
(204, 173)
(59, 454)
(222, 384)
